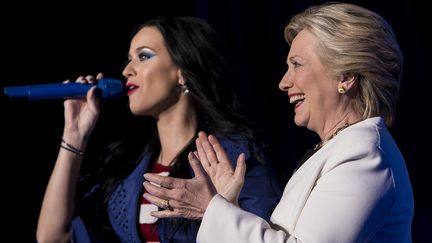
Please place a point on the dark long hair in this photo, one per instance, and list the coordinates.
(195, 48)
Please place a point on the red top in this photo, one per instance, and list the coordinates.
(148, 223)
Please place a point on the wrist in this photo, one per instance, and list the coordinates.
(75, 140)
(71, 148)
(74, 134)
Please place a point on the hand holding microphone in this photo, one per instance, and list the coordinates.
(111, 89)
(80, 115)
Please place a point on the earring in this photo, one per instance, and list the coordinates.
(185, 89)
(341, 90)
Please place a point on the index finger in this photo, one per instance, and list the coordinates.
(164, 181)
(219, 151)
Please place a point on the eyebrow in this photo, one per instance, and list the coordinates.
(293, 56)
(138, 49)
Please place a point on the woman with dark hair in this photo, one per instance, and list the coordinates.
(174, 76)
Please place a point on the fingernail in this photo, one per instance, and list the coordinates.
(193, 155)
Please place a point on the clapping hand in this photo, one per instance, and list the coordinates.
(216, 163)
(189, 198)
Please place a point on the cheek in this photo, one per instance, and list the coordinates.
(158, 78)
(142, 99)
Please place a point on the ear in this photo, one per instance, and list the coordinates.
(348, 81)
(181, 80)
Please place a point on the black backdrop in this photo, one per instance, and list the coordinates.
(48, 44)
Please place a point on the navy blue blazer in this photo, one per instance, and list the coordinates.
(260, 194)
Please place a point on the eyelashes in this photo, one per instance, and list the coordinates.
(141, 56)
(144, 55)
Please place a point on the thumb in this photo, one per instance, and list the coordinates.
(94, 95)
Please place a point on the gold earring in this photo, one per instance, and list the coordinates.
(341, 90)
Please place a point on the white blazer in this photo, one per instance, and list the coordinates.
(356, 188)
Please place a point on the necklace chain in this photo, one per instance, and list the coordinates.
(321, 144)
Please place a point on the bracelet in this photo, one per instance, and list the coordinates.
(71, 148)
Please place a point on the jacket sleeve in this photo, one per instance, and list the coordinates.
(347, 203)
(79, 231)
(236, 225)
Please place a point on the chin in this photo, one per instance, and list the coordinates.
(139, 111)
(299, 122)
(135, 111)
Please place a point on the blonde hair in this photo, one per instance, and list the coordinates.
(354, 40)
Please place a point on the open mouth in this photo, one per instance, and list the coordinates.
(296, 99)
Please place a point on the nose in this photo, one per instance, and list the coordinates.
(128, 70)
(285, 82)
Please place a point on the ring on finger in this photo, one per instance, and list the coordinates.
(166, 205)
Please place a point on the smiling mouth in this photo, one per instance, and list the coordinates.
(296, 99)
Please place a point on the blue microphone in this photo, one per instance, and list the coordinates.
(111, 88)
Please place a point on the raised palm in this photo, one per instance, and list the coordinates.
(228, 182)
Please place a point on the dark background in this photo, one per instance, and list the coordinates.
(48, 44)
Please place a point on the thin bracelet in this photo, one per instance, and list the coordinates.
(71, 148)
(73, 151)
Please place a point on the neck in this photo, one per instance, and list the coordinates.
(341, 125)
(327, 134)
(332, 125)
(175, 132)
